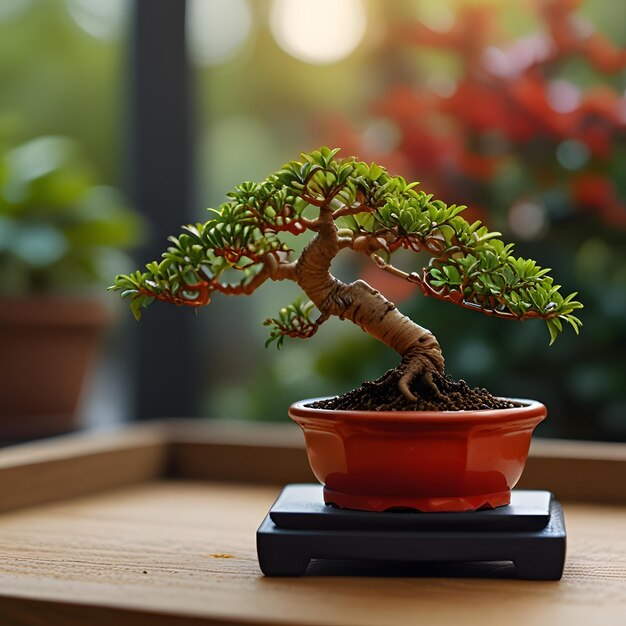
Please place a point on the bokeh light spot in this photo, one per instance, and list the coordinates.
(572, 154)
(563, 96)
(102, 19)
(320, 32)
(498, 63)
(381, 136)
(217, 29)
(527, 220)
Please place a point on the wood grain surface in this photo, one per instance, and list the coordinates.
(145, 553)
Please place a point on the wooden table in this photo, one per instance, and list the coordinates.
(144, 525)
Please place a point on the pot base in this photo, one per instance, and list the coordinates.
(425, 505)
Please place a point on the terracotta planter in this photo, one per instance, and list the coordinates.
(47, 344)
(429, 461)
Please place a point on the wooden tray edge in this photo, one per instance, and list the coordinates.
(80, 464)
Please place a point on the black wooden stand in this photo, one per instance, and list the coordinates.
(530, 532)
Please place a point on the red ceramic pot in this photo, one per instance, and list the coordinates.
(424, 460)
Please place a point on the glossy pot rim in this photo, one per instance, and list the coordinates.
(528, 410)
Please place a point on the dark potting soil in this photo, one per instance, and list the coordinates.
(444, 394)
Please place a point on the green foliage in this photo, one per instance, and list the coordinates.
(58, 229)
(470, 265)
(294, 320)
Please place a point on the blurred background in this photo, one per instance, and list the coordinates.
(122, 119)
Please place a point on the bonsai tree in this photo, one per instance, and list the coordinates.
(347, 204)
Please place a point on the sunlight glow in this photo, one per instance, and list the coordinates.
(320, 32)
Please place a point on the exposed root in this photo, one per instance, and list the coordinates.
(417, 368)
(421, 363)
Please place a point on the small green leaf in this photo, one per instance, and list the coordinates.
(452, 273)
(553, 330)
(138, 303)
(375, 171)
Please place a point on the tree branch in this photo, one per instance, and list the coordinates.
(353, 209)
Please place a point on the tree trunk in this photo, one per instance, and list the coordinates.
(366, 307)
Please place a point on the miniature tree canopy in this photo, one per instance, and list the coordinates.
(350, 204)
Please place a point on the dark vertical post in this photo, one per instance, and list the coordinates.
(161, 166)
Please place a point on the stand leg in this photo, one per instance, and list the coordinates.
(540, 567)
(279, 554)
(283, 565)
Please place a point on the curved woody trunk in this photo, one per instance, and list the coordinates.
(365, 306)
